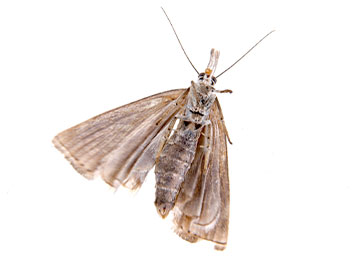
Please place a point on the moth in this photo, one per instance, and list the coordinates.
(191, 163)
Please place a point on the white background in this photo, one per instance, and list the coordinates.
(291, 118)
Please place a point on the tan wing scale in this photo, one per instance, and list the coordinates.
(121, 145)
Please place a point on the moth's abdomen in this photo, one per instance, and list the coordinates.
(174, 161)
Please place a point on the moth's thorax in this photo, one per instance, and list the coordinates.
(199, 102)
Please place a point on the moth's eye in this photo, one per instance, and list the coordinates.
(201, 76)
(213, 81)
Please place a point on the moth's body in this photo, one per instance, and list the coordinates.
(179, 152)
(191, 163)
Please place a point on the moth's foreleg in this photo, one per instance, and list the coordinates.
(222, 91)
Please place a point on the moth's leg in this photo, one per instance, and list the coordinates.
(165, 137)
(222, 119)
(222, 91)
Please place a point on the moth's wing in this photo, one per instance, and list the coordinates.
(121, 145)
(202, 207)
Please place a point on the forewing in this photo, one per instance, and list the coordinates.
(121, 145)
(202, 207)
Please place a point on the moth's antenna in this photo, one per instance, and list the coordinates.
(179, 41)
(246, 52)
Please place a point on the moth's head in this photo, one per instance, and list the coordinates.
(206, 78)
